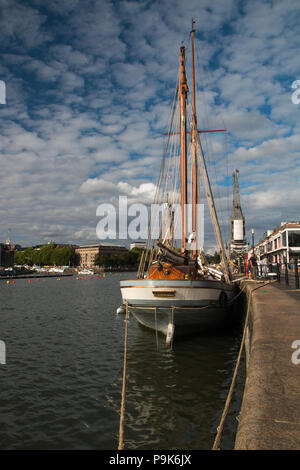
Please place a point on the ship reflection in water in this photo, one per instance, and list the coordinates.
(61, 385)
(175, 398)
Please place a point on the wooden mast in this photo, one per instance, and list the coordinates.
(193, 134)
(183, 89)
(197, 149)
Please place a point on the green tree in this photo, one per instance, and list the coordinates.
(63, 256)
(137, 252)
(130, 258)
(36, 257)
(216, 258)
(46, 255)
(19, 257)
(28, 256)
(102, 260)
(46, 252)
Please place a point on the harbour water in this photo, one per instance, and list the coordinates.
(61, 384)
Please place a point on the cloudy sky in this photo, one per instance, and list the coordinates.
(89, 86)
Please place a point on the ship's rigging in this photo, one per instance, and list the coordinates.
(179, 180)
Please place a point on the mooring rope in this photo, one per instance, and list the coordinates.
(172, 320)
(122, 412)
(156, 335)
(216, 445)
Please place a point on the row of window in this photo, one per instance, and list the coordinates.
(281, 241)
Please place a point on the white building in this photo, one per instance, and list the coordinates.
(281, 244)
(137, 245)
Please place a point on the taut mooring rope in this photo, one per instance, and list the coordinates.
(216, 445)
(122, 413)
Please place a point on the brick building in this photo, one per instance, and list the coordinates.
(86, 254)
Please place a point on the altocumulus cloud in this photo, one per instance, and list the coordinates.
(143, 194)
(89, 87)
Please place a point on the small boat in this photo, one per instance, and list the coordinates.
(59, 270)
(53, 269)
(176, 292)
(86, 272)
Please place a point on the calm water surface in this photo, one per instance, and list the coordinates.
(61, 385)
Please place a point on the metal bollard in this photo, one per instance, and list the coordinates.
(278, 272)
(296, 274)
(286, 274)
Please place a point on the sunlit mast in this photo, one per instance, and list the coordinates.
(183, 90)
(194, 152)
(197, 151)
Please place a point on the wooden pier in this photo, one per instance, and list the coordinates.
(34, 276)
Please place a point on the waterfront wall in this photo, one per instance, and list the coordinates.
(270, 414)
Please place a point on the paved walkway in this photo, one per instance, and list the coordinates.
(270, 415)
(289, 290)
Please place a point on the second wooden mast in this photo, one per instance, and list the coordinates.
(183, 90)
(197, 153)
(194, 133)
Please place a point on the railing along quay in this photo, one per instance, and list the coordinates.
(284, 273)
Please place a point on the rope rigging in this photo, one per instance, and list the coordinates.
(167, 195)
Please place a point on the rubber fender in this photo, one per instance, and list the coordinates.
(121, 310)
(223, 300)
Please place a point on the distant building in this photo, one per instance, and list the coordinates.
(38, 247)
(6, 255)
(137, 245)
(280, 244)
(86, 254)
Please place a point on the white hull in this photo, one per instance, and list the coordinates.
(180, 306)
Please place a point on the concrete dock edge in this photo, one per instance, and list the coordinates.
(270, 413)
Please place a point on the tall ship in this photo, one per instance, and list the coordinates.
(176, 292)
